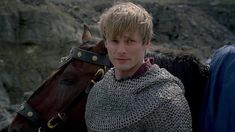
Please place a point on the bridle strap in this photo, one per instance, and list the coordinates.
(89, 57)
(28, 112)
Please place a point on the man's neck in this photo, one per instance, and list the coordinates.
(119, 74)
(137, 72)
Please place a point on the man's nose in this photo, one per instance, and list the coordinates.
(121, 48)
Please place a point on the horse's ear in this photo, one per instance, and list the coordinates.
(86, 36)
(100, 47)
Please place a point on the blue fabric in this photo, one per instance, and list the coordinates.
(218, 109)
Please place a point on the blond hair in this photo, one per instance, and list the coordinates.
(126, 17)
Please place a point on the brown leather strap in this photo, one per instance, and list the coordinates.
(29, 113)
(90, 57)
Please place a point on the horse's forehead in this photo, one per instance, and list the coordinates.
(89, 45)
(94, 46)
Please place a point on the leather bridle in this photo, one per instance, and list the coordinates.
(76, 53)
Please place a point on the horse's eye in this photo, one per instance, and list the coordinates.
(67, 82)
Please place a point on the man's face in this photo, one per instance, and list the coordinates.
(126, 52)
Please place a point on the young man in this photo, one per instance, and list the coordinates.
(134, 95)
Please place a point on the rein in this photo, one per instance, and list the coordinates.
(90, 57)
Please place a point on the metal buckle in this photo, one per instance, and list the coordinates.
(50, 125)
(40, 129)
(62, 116)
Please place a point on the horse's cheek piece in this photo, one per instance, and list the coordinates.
(100, 72)
(98, 75)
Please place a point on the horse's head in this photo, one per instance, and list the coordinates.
(59, 103)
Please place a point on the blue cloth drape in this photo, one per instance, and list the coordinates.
(218, 109)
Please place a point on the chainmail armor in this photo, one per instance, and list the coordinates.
(152, 102)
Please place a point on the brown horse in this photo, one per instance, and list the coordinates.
(59, 103)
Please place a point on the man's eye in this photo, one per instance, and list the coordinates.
(67, 82)
(131, 41)
(115, 41)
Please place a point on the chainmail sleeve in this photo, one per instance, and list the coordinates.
(174, 117)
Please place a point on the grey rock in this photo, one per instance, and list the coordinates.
(5, 118)
(4, 98)
(23, 23)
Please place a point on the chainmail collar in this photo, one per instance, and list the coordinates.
(114, 104)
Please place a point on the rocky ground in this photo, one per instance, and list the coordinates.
(35, 34)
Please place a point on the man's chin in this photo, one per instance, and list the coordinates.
(122, 68)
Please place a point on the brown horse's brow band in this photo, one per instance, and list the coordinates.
(89, 57)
